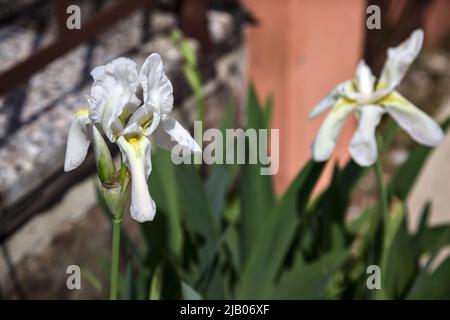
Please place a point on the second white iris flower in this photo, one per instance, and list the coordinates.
(370, 100)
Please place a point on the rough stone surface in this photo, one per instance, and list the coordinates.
(35, 118)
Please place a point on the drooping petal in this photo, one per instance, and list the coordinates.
(77, 141)
(417, 123)
(363, 146)
(398, 61)
(171, 132)
(157, 88)
(113, 94)
(365, 80)
(325, 140)
(326, 103)
(137, 157)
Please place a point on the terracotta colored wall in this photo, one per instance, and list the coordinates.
(300, 50)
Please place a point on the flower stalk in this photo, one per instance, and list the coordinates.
(115, 253)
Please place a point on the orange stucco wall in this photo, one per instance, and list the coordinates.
(299, 51)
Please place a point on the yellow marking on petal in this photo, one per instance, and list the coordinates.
(125, 116)
(133, 140)
(147, 122)
(82, 113)
(135, 143)
(380, 85)
(343, 103)
(392, 98)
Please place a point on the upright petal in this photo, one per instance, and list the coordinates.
(326, 103)
(365, 80)
(417, 123)
(77, 141)
(137, 156)
(113, 93)
(157, 88)
(172, 133)
(398, 61)
(325, 140)
(363, 147)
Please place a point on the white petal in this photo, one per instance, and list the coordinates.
(326, 102)
(399, 59)
(141, 116)
(171, 133)
(137, 157)
(113, 92)
(77, 142)
(325, 140)
(363, 147)
(132, 130)
(417, 123)
(364, 79)
(157, 88)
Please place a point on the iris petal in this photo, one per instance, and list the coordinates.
(137, 157)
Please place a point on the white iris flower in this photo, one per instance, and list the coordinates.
(116, 111)
(370, 99)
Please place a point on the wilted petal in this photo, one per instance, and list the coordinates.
(171, 132)
(113, 93)
(399, 59)
(363, 147)
(137, 156)
(326, 102)
(157, 88)
(77, 141)
(417, 123)
(325, 140)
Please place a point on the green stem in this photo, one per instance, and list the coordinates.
(115, 258)
(382, 192)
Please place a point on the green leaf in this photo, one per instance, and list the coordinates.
(276, 235)
(92, 279)
(216, 188)
(256, 190)
(188, 293)
(130, 282)
(399, 263)
(202, 226)
(432, 239)
(433, 285)
(309, 280)
(163, 188)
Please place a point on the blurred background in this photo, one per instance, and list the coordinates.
(294, 51)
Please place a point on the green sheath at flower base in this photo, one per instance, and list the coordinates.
(106, 169)
(116, 197)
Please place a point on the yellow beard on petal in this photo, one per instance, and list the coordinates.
(135, 143)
